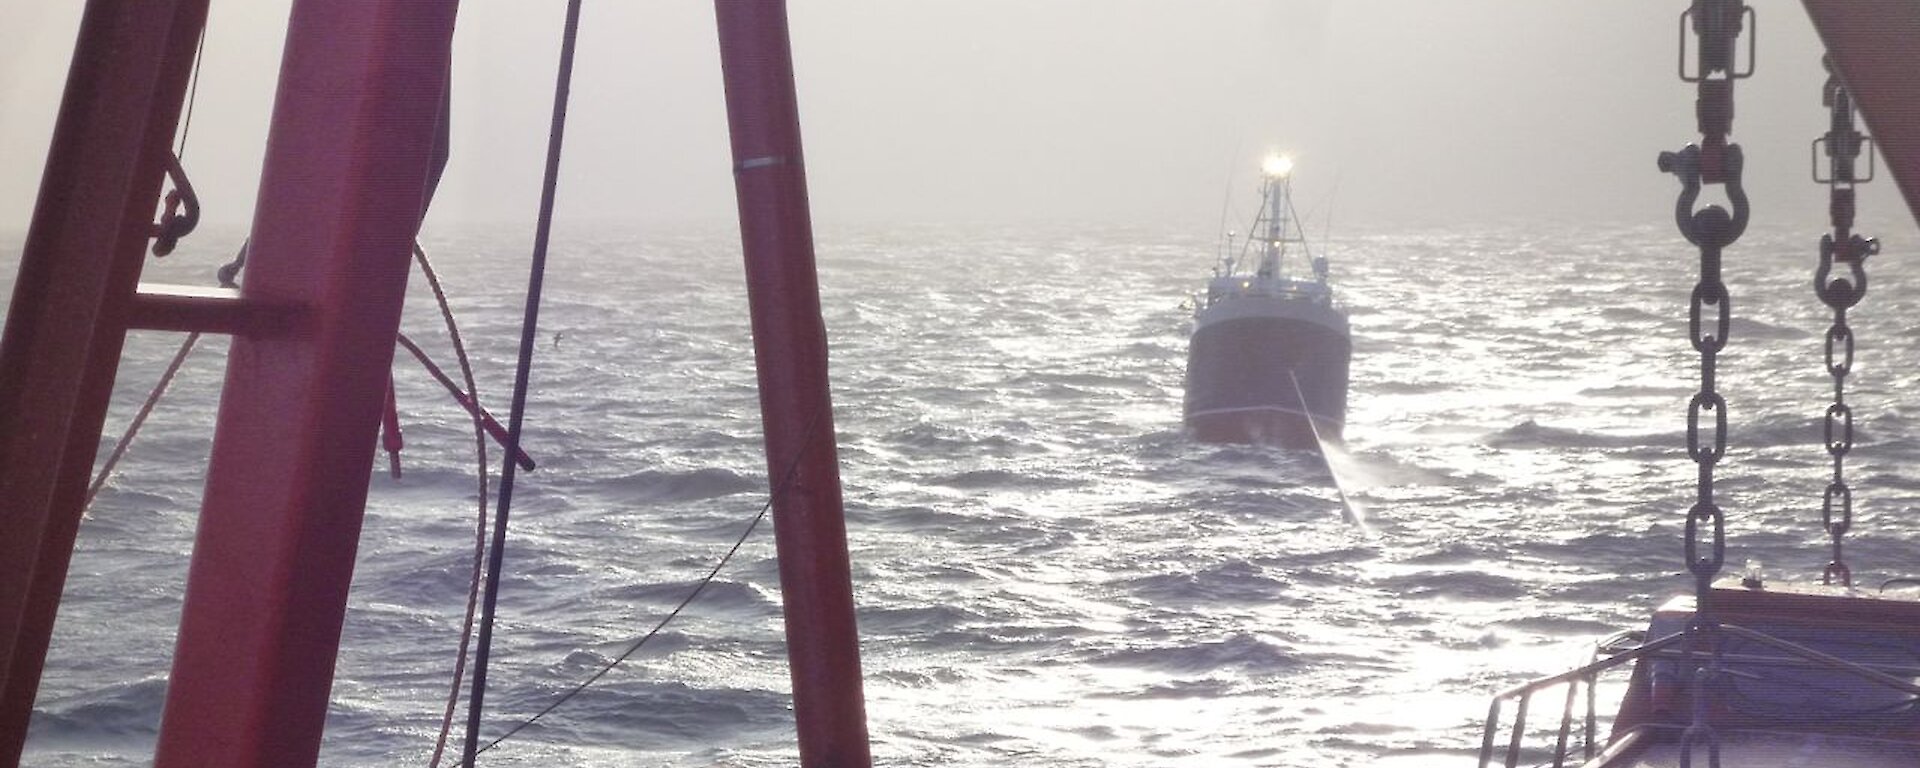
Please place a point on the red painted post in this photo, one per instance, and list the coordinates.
(790, 349)
(65, 325)
(1871, 45)
(341, 192)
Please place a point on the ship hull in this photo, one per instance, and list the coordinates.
(1241, 374)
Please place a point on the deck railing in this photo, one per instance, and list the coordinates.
(1610, 654)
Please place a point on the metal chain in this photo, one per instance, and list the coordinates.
(1843, 248)
(1717, 25)
(1714, 161)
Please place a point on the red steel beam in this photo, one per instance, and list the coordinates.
(65, 325)
(206, 310)
(790, 350)
(1872, 45)
(341, 195)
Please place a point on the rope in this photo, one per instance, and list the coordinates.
(635, 647)
(480, 460)
(140, 418)
(786, 482)
(193, 92)
(528, 332)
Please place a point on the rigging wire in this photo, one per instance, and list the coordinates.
(528, 331)
(1326, 228)
(193, 91)
(1226, 199)
(786, 482)
(159, 390)
(140, 419)
(635, 647)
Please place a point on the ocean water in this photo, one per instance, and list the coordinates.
(1048, 571)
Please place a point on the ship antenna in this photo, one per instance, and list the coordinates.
(1326, 229)
(1226, 200)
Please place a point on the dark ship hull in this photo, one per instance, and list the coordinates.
(1242, 372)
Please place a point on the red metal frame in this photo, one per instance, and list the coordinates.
(66, 323)
(345, 180)
(790, 350)
(1871, 45)
(183, 308)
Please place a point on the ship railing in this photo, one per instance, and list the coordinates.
(1624, 648)
(1614, 653)
(1282, 287)
(1897, 677)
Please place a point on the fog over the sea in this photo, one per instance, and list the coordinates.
(1009, 111)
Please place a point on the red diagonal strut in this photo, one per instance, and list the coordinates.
(341, 195)
(66, 323)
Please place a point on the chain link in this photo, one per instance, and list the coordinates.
(1718, 25)
(1842, 249)
(1714, 160)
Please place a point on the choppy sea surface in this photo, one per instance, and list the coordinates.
(1048, 571)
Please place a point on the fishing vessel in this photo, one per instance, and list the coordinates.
(1267, 362)
(1761, 669)
(1821, 674)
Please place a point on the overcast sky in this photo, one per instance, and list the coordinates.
(1419, 111)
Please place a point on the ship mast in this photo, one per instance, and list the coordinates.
(1277, 171)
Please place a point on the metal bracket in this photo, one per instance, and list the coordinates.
(183, 210)
(1819, 150)
(1750, 22)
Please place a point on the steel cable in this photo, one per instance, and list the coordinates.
(528, 330)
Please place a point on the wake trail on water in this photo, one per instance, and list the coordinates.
(1347, 473)
(1349, 510)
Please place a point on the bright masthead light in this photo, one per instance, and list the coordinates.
(1277, 166)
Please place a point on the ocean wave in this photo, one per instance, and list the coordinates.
(665, 486)
(1229, 581)
(1455, 584)
(1044, 563)
(719, 594)
(977, 479)
(1532, 434)
(1640, 390)
(917, 620)
(1789, 429)
(1749, 328)
(1242, 652)
(928, 436)
(1632, 315)
(116, 710)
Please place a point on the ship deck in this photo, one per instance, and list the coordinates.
(1660, 748)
